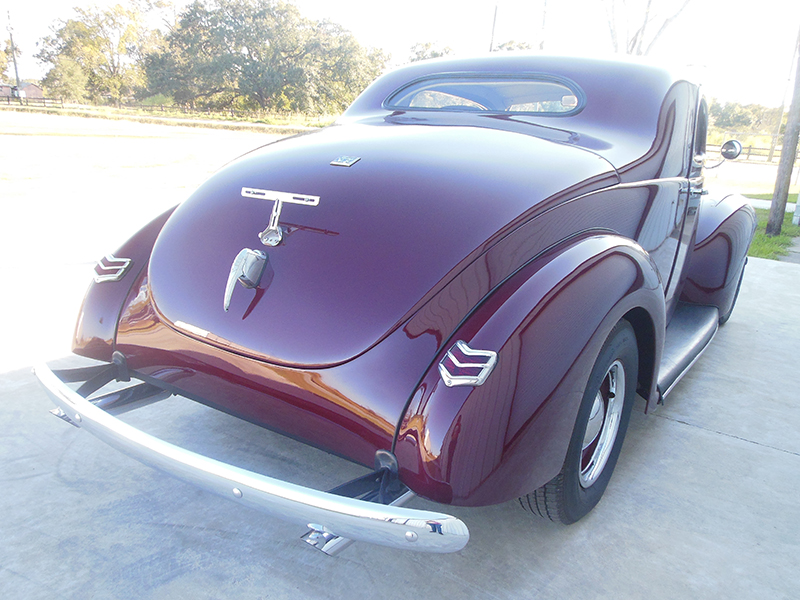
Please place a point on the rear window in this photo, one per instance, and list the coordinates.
(496, 93)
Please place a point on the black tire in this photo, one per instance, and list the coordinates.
(591, 457)
(724, 318)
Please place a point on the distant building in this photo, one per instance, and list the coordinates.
(28, 90)
(32, 90)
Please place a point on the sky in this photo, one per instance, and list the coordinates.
(740, 51)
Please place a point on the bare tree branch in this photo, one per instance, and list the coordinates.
(612, 23)
(664, 25)
(544, 21)
(641, 32)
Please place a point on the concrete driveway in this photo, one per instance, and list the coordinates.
(703, 504)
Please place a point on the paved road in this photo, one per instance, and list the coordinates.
(73, 189)
(703, 503)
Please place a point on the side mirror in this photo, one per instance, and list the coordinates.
(731, 149)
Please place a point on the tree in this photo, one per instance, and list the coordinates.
(424, 51)
(788, 154)
(272, 52)
(260, 53)
(195, 64)
(5, 58)
(107, 44)
(730, 116)
(511, 46)
(636, 26)
(66, 80)
(339, 67)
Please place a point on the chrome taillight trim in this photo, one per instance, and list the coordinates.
(111, 268)
(484, 360)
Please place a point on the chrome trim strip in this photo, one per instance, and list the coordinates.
(392, 526)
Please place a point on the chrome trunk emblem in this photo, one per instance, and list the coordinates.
(464, 366)
(273, 234)
(247, 269)
(345, 161)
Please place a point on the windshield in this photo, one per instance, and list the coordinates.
(504, 93)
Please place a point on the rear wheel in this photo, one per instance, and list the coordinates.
(598, 434)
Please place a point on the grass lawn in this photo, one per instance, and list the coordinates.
(773, 247)
(792, 199)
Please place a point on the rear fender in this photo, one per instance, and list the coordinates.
(724, 231)
(484, 445)
(96, 328)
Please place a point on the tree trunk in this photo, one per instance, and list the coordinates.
(788, 154)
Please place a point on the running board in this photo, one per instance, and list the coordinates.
(689, 332)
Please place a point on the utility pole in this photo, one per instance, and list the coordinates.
(788, 153)
(494, 22)
(13, 55)
(777, 133)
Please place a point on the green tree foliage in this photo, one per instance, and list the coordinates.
(260, 53)
(5, 59)
(752, 118)
(7, 64)
(341, 68)
(107, 44)
(424, 51)
(66, 80)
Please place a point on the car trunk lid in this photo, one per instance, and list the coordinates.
(381, 216)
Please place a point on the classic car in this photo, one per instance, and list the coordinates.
(462, 284)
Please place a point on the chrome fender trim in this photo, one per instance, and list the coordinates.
(392, 526)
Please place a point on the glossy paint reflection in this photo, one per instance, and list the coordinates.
(474, 446)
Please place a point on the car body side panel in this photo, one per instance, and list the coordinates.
(96, 328)
(489, 444)
(724, 232)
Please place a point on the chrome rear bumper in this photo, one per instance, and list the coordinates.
(330, 516)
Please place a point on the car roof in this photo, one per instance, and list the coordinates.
(618, 119)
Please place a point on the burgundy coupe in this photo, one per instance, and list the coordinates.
(462, 285)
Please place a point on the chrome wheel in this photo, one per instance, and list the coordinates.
(603, 425)
(598, 434)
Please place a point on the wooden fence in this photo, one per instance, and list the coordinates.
(752, 154)
(46, 102)
(225, 112)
